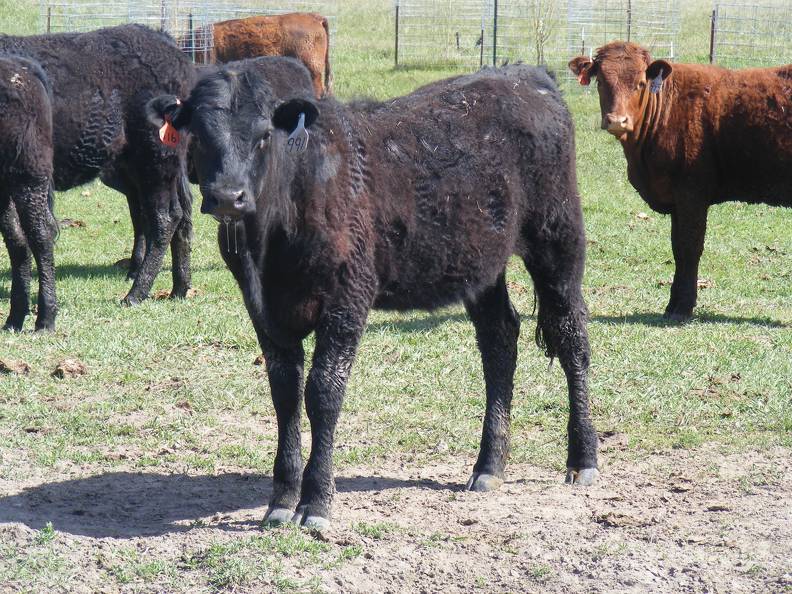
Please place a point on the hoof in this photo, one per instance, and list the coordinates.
(582, 476)
(677, 317)
(483, 482)
(278, 515)
(316, 523)
(9, 327)
(48, 326)
(130, 301)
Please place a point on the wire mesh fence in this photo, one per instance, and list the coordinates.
(749, 34)
(654, 24)
(470, 33)
(188, 21)
(441, 32)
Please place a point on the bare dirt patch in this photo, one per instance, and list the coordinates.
(692, 521)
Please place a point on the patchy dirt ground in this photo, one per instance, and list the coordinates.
(682, 521)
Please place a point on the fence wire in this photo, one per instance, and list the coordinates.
(749, 34)
(188, 21)
(469, 33)
(441, 32)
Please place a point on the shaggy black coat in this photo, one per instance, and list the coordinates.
(417, 202)
(26, 220)
(101, 83)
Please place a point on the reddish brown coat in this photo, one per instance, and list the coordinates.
(301, 35)
(708, 136)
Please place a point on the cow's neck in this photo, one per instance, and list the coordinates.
(650, 118)
(647, 125)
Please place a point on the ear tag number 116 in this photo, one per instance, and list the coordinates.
(298, 140)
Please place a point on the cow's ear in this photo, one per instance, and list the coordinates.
(659, 68)
(287, 114)
(583, 68)
(167, 108)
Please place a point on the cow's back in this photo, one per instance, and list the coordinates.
(297, 35)
(101, 81)
(726, 133)
(459, 162)
(753, 135)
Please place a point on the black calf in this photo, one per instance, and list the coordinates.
(414, 203)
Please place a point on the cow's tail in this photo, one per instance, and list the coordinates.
(51, 205)
(185, 201)
(328, 74)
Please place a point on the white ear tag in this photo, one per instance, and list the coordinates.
(657, 83)
(298, 140)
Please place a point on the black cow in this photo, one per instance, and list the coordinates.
(26, 220)
(417, 202)
(101, 83)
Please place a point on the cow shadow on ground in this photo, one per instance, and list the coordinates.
(656, 319)
(129, 504)
(417, 323)
(423, 323)
(88, 271)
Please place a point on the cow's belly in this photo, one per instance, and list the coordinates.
(454, 267)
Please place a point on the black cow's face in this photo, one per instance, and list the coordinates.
(239, 136)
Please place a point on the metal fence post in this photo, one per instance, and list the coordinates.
(713, 30)
(495, 33)
(481, 39)
(629, 19)
(396, 51)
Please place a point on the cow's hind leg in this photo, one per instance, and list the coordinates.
(19, 254)
(497, 329)
(556, 266)
(163, 214)
(181, 243)
(40, 228)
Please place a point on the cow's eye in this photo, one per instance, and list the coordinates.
(642, 85)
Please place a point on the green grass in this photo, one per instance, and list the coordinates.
(174, 382)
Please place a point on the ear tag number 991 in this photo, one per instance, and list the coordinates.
(298, 140)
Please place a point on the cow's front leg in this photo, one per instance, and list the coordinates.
(285, 372)
(337, 338)
(138, 231)
(688, 228)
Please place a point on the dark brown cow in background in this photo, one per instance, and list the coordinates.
(304, 36)
(694, 135)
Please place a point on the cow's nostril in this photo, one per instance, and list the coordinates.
(239, 196)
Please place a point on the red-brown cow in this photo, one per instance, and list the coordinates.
(301, 35)
(694, 135)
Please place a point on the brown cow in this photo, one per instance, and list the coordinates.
(301, 35)
(694, 135)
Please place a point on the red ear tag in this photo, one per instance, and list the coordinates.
(169, 136)
(584, 79)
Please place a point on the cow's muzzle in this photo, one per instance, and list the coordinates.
(231, 203)
(618, 125)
